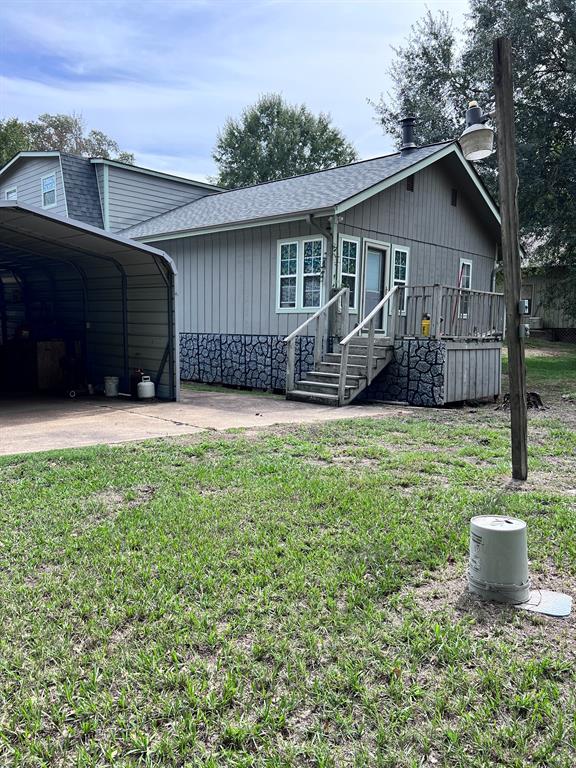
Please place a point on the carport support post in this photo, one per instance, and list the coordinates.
(125, 329)
(508, 182)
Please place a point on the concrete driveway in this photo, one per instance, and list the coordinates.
(28, 425)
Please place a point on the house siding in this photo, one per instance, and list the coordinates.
(437, 233)
(27, 175)
(227, 281)
(135, 196)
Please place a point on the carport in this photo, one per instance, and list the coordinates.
(78, 304)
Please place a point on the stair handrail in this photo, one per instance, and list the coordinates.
(290, 340)
(345, 343)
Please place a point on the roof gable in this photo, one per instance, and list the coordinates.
(22, 156)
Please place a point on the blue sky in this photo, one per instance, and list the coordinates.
(161, 77)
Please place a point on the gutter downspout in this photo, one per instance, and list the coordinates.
(335, 323)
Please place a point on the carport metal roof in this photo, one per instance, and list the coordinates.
(142, 276)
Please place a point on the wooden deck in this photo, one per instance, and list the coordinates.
(443, 345)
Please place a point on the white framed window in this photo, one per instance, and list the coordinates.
(464, 281)
(300, 274)
(48, 188)
(399, 266)
(11, 193)
(350, 267)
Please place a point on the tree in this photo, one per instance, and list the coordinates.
(434, 80)
(14, 138)
(56, 132)
(273, 140)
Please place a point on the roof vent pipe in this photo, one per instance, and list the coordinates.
(408, 143)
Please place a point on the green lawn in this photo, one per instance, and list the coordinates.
(550, 368)
(286, 597)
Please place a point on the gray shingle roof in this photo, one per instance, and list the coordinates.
(311, 192)
(81, 189)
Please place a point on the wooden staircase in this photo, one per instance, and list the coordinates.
(320, 385)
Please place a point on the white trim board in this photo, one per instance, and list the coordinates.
(22, 155)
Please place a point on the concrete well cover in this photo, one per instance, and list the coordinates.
(547, 602)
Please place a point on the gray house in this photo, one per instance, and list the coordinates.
(372, 280)
(404, 238)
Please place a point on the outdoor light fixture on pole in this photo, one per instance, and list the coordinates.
(477, 142)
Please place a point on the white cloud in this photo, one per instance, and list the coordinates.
(162, 78)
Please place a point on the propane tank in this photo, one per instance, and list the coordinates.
(146, 389)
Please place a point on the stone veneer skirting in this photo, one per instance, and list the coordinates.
(241, 360)
(415, 375)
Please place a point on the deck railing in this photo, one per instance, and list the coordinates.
(321, 316)
(457, 313)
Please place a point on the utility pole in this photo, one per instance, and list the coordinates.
(508, 183)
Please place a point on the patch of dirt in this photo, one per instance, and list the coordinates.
(46, 569)
(544, 352)
(559, 478)
(350, 462)
(110, 501)
(144, 493)
(112, 498)
(448, 591)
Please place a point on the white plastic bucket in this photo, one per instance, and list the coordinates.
(146, 389)
(498, 568)
(111, 386)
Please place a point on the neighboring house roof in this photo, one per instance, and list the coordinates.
(82, 196)
(330, 191)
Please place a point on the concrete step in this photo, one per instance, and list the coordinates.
(312, 397)
(306, 385)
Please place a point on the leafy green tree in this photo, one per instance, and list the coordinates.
(66, 133)
(273, 140)
(14, 138)
(434, 80)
